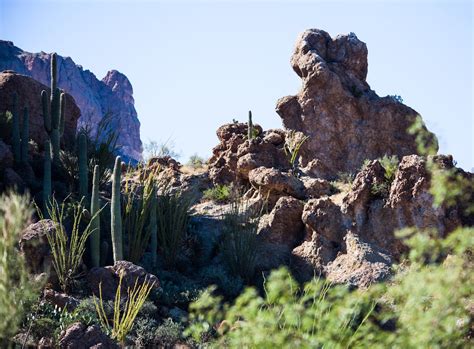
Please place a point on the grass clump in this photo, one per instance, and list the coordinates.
(219, 193)
(123, 320)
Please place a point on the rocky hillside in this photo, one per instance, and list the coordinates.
(113, 95)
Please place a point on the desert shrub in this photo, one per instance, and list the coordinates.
(47, 320)
(293, 143)
(172, 212)
(159, 149)
(396, 98)
(123, 319)
(16, 290)
(86, 313)
(346, 177)
(217, 274)
(219, 193)
(144, 332)
(390, 165)
(196, 161)
(67, 251)
(239, 239)
(176, 288)
(168, 333)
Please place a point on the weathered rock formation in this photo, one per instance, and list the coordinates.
(28, 91)
(113, 95)
(345, 120)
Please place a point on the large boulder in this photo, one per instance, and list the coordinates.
(80, 336)
(345, 120)
(28, 91)
(108, 278)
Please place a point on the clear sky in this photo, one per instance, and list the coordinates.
(195, 65)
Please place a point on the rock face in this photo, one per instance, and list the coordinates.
(112, 95)
(345, 120)
(80, 336)
(28, 91)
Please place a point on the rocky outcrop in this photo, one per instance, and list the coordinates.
(28, 91)
(345, 120)
(112, 95)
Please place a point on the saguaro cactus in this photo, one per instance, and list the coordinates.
(25, 135)
(53, 112)
(16, 130)
(116, 213)
(83, 170)
(95, 224)
(250, 127)
(47, 176)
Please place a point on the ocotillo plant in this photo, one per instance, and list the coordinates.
(47, 177)
(250, 127)
(95, 224)
(25, 135)
(83, 170)
(153, 227)
(16, 130)
(53, 111)
(116, 213)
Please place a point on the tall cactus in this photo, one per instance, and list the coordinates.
(47, 176)
(153, 227)
(83, 170)
(116, 213)
(25, 135)
(53, 111)
(16, 130)
(250, 127)
(95, 223)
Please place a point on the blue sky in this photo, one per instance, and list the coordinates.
(195, 65)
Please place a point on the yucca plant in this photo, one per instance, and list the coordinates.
(15, 287)
(293, 143)
(123, 320)
(67, 251)
(173, 215)
(136, 216)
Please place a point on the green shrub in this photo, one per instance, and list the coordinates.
(196, 161)
(16, 290)
(168, 333)
(219, 193)
(390, 165)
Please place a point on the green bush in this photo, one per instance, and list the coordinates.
(390, 165)
(196, 161)
(219, 193)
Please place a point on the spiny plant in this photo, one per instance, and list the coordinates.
(293, 143)
(54, 111)
(239, 240)
(83, 166)
(173, 216)
(16, 137)
(123, 321)
(47, 187)
(153, 231)
(95, 221)
(138, 197)
(67, 251)
(25, 136)
(250, 134)
(16, 289)
(116, 213)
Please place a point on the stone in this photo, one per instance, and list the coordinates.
(61, 300)
(271, 182)
(283, 225)
(362, 265)
(109, 277)
(112, 96)
(80, 336)
(28, 91)
(35, 247)
(6, 156)
(345, 120)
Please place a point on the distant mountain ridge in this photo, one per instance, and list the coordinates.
(95, 98)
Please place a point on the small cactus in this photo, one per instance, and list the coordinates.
(250, 127)
(47, 177)
(83, 170)
(95, 224)
(16, 130)
(25, 135)
(116, 212)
